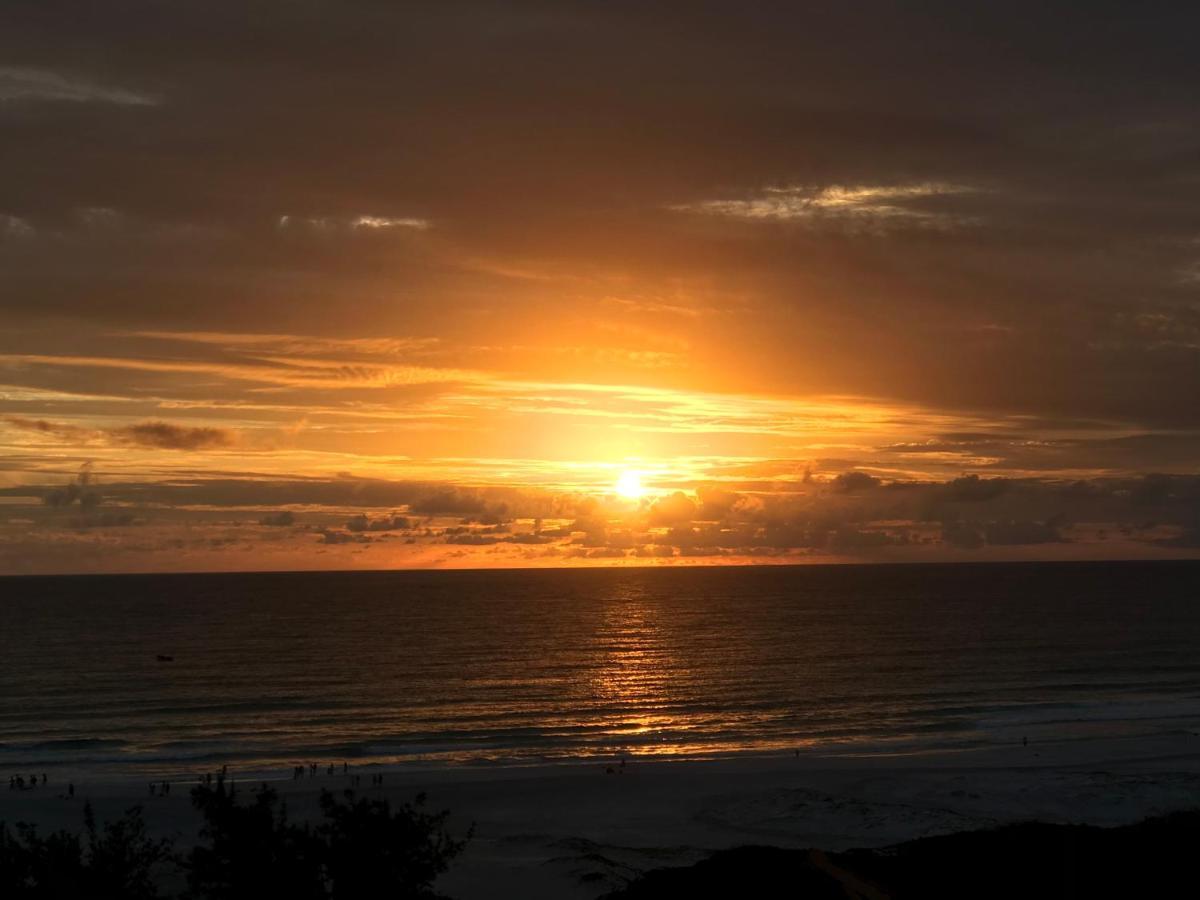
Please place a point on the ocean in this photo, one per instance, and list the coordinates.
(519, 667)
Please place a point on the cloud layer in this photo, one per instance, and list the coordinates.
(529, 246)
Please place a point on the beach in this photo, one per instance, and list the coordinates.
(575, 830)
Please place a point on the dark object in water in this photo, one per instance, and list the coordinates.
(162, 658)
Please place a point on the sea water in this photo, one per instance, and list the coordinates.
(267, 671)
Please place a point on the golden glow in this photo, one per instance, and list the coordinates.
(629, 485)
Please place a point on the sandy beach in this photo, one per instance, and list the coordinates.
(576, 831)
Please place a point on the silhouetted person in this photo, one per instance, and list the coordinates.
(1024, 742)
(43, 778)
(71, 790)
(345, 768)
(153, 789)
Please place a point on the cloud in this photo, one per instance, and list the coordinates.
(973, 489)
(59, 430)
(362, 522)
(15, 227)
(673, 509)
(854, 206)
(1021, 533)
(31, 85)
(165, 436)
(151, 434)
(296, 344)
(449, 501)
(849, 482)
(362, 223)
(284, 371)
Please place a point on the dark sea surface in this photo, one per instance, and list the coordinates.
(510, 667)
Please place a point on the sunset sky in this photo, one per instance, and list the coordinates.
(372, 284)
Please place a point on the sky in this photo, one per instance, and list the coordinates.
(366, 284)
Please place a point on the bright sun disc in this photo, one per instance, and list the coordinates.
(629, 485)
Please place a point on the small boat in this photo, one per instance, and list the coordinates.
(163, 658)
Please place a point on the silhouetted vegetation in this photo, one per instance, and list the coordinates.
(361, 848)
(1031, 860)
(116, 861)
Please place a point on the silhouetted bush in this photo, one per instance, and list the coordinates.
(371, 850)
(360, 849)
(363, 848)
(118, 861)
(250, 850)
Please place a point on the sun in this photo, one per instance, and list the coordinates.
(629, 485)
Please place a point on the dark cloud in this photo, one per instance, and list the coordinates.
(362, 522)
(849, 482)
(1068, 294)
(973, 489)
(1017, 533)
(78, 491)
(55, 429)
(154, 434)
(165, 436)
(449, 501)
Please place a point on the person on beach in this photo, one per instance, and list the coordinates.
(345, 767)
(71, 790)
